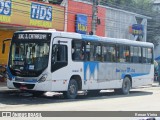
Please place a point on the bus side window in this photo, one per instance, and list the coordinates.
(109, 53)
(121, 53)
(147, 55)
(144, 57)
(98, 55)
(89, 51)
(135, 54)
(78, 50)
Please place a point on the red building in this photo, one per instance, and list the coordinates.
(75, 8)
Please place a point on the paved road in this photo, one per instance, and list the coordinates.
(143, 99)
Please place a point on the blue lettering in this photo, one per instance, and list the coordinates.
(41, 12)
(49, 13)
(5, 7)
(33, 11)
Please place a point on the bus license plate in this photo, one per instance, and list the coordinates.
(23, 88)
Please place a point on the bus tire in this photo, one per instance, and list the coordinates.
(125, 87)
(71, 93)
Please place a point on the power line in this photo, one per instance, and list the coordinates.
(60, 20)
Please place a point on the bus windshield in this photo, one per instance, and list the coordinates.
(28, 58)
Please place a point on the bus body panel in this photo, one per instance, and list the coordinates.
(93, 74)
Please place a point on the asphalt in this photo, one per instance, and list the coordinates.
(3, 85)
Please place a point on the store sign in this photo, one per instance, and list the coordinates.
(31, 14)
(81, 23)
(5, 7)
(41, 12)
(5, 11)
(41, 15)
(137, 29)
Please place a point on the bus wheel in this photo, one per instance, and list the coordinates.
(71, 93)
(93, 92)
(125, 87)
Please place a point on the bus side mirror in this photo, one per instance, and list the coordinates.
(3, 48)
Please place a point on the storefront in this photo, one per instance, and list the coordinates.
(22, 15)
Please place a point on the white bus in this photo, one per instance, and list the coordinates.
(49, 60)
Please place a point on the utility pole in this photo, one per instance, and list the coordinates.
(94, 16)
(65, 4)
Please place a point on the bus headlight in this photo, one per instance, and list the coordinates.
(43, 78)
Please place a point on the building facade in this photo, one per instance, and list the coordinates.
(27, 14)
(156, 7)
(67, 15)
(111, 22)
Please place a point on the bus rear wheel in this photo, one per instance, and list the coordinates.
(125, 87)
(71, 93)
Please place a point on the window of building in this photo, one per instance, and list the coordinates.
(55, 1)
(51, 1)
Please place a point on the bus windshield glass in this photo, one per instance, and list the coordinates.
(28, 58)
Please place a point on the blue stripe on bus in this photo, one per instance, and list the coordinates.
(134, 74)
(90, 37)
(92, 66)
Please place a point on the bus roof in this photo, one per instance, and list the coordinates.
(92, 37)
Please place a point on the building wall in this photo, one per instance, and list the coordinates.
(27, 14)
(4, 35)
(117, 24)
(75, 7)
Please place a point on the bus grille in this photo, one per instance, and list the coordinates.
(28, 86)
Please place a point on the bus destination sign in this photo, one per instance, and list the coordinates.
(32, 36)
